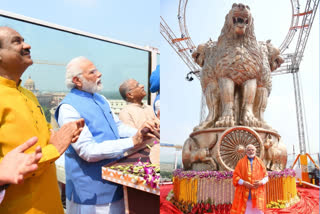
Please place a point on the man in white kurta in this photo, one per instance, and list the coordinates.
(103, 139)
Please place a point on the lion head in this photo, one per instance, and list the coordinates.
(238, 22)
(203, 51)
(274, 57)
(199, 54)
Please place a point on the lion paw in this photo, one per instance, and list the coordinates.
(225, 121)
(204, 125)
(250, 120)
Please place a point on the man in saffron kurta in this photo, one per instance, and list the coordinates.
(21, 118)
(249, 178)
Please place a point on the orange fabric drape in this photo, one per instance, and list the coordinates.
(243, 171)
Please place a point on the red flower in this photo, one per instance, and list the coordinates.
(202, 206)
(213, 208)
(224, 208)
(219, 208)
(207, 207)
(229, 207)
(195, 209)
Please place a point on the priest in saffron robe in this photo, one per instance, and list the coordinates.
(249, 178)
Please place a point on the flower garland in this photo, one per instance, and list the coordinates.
(202, 208)
(203, 174)
(226, 174)
(283, 173)
(149, 172)
(277, 204)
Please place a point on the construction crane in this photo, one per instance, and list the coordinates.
(46, 62)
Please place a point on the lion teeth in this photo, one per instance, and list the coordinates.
(240, 20)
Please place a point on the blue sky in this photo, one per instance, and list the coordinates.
(180, 109)
(130, 21)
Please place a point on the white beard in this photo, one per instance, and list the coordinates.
(90, 87)
(251, 156)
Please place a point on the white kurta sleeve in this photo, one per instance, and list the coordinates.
(240, 182)
(86, 147)
(265, 180)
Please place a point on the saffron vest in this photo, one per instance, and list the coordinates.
(83, 179)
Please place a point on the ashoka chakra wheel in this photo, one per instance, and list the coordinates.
(232, 144)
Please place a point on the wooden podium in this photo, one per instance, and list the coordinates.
(139, 198)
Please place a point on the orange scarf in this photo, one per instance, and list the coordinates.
(243, 171)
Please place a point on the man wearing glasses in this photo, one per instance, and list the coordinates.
(98, 144)
(135, 113)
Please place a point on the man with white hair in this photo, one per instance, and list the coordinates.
(249, 176)
(98, 144)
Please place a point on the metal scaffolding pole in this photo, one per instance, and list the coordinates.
(299, 112)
